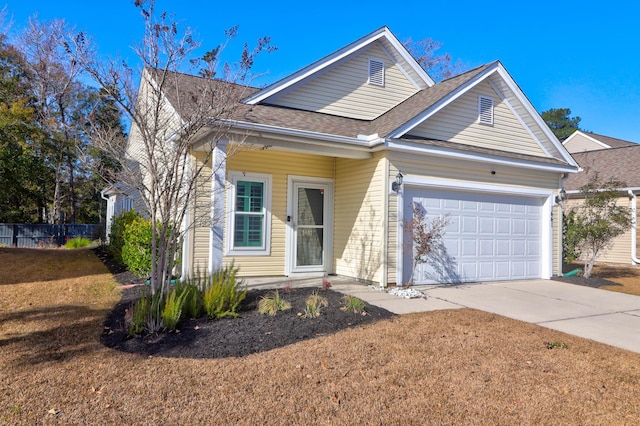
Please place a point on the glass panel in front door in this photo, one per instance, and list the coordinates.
(310, 227)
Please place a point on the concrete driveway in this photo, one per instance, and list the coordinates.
(600, 315)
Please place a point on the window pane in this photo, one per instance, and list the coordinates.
(249, 217)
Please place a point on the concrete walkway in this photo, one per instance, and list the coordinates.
(600, 315)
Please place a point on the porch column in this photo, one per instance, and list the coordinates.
(218, 174)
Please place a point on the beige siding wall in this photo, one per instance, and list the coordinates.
(579, 143)
(458, 123)
(359, 221)
(279, 165)
(345, 90)
(464, 171)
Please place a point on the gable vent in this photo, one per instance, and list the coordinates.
(376, 72)
(485, 110)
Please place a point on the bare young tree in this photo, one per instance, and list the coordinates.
(426, 235)
(170, 113)
(438, 66)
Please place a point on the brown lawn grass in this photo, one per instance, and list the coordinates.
(627, 277)
(446, 367)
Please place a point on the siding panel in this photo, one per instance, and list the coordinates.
(345, 90)
(458, 123)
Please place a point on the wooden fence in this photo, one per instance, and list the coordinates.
(45, 235)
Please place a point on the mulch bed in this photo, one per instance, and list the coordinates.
(593, 281)
(251, 332)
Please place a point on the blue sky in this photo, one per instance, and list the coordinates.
(579, 55)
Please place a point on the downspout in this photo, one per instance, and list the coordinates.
(634, 231)
(384, 282)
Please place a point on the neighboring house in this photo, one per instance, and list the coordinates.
(580, 141)
(341, 131)
(117, 202)
(618, 161)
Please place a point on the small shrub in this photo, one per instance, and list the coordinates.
(146, 315)
(116, 236)
(173, 307)
(136, 251)
(314, 305)
(353, 304)
(77, 242)
(192, 306)
(270, 305)
(221, 296)
(140, 310)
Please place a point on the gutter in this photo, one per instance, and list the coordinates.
(634, 231)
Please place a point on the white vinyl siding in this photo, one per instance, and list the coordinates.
(458, 123)
(345, 89)
(579, 143)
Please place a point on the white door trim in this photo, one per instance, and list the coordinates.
(292, 181)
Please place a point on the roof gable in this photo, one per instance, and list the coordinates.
(580, 141)
(344, 73)
(508, 94)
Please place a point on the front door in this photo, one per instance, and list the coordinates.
(309, 241)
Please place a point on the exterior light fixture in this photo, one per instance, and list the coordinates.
(562, 196)
(395, 186)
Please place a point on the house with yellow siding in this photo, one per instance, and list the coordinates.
(319, 172)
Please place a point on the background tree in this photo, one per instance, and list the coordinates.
(560, 122)
(593, 224)
(23, 172)
(438, 66)
(57, 93)
(158, 170)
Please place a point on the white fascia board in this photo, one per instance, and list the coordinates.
(338, 55)
(349, 147)
(534, 114)
(441, 104)
(476, 157)
(626, 189)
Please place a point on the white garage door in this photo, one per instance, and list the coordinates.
(489, 237)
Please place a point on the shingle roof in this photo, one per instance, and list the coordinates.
(184, 87)
(621, 164)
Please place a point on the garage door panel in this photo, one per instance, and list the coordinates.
(486, 225)
(469, 248)
(486, 248)
(488, 237)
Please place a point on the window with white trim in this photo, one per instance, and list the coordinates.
(249, 217)
(376, 72)
(485, 110)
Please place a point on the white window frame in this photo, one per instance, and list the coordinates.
(481, 116)
(265, 248)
